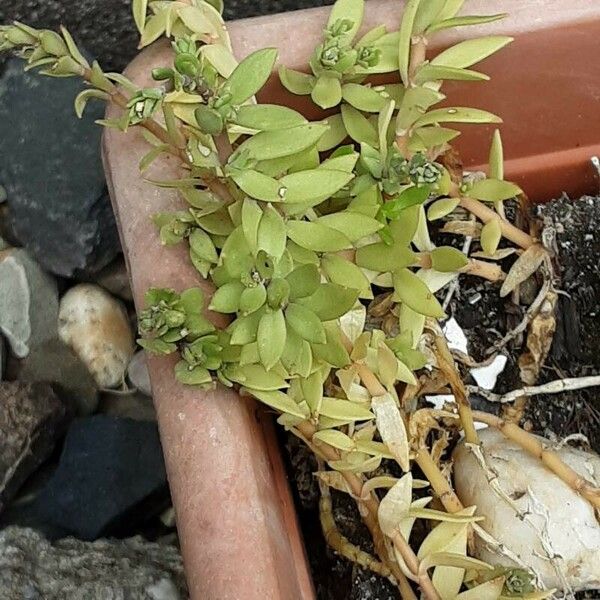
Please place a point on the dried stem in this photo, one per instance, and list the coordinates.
(553, 387)
(509, 231)
(549, 458)
(439, 483)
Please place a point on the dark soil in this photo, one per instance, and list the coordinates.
(485, 318)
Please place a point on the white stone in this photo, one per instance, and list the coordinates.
(487, 376)
(546, 524)
(28, 302)
(96, 326)
(455, 336)
(138, 373)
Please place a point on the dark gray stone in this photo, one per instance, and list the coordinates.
(52, 171)
(32, 418)
(31, 568)
(110, 477)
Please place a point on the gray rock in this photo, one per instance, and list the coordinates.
(52, 172)
(32, 418)
(54, 362)
(28, 302)
(132, 569)
(115, 279)
(2, 357)
(138, 373)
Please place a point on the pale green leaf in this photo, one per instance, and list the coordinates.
(427, 14)
(490, 590)
(358, 126)
(362, 97)
(457, 114)
(255, 377)
(281, 402)
(139, 9)
(494, 190)
(345, 410)
(431, 137)
(73, 49)
(250, 75)
(189, 375)
(450, 9)
(333, 352)
(491, 233)
(317, 237)
(327, 91)
(303, 281)
(271, 235)
(431, 72)
(394, 506)
(467, 53)
(330, 301)
(416, 101)
(202, 245)
(82, 99)
(383, 258)
(267, 117)
(464, 21)
(353, 225)
(155, 26)
(312, 185)
(405, 37)
(496, 158)
(271, 338)
(220, 58)
(335, 135)
(253, 298)
(227, 298)
(298, 83)
(305, 323)
(441, 208)
(391, 428)
(251, 217)
(448, 259)
(410, 290)
(335, 438)
(257, 185)
(344, 272)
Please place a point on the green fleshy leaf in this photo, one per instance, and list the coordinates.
(303, 281)
(453, 22)
(442, 208)
(244, 329)
(431, 137)
(496, 158)
(188, 375)
(297, 355)
(317, 237)
(257, 185)
(313, 184)
(220, 58)
(447, 259)
(278, 143)
(467, 53)
(494, 190)
(457, 114)
(298, 83)
(253, 298)
(281, 402)
(333, 351)
(335, 135)
(413, 292)
(203, 246)
(227, 298)
(157, 346)
(336, 439)
(353, 225)
(412, 196)
(208, 119)
(431, 72)
(83, 97)
(272, 234)
(416, 101)
(271, 338)
(405, 37)
(256, 377)
(139, 9)
(330, 301)
(305, 323)
(344, 272)
(250, 75)
(345, 410)
(427, 14)
(267, 117)
(358, 126)
(382, 258)
(450, 9)
(362, 97)
(327, 91)
(251, 217)
(491, 234)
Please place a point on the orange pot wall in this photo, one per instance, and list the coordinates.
(237, 526)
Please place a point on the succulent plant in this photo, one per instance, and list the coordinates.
(315, 236)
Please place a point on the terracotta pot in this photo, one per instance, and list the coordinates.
(238, 530)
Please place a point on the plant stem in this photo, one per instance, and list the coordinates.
(485, 214)
(549, 458)
(438, 482)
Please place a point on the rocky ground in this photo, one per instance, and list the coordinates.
(85, 510)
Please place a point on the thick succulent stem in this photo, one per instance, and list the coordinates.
(439, 483)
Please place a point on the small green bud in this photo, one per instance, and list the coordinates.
(18, 37)
(368, 56)
(53, 44)
(162, 74)
(66, 66)
(422, 171)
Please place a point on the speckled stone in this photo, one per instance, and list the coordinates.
(32, 568)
